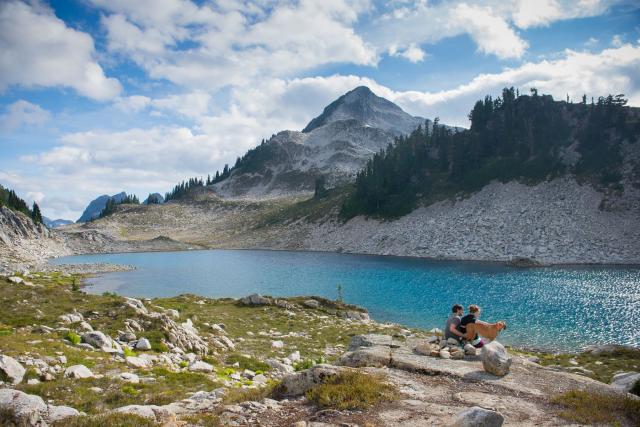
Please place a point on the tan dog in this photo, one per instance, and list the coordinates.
(485, 330)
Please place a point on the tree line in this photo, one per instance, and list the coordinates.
(514, 136)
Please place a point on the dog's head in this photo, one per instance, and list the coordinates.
(502, 325)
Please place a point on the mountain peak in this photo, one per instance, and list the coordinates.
(364, 106)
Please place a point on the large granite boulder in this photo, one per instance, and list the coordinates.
(478, 417)
(495, 359)
(10, 370)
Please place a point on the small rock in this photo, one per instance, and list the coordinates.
(255, 299)
(277, 344)
(59, 413)
(11, 369)
(152, 412)
(143, 344)
(470, 350)
(478, 417)
(423, 349)
(33, 381)
(127, 337)
(445, 354)
(311, 303)
(495, 359)
(15, 279)
(200, 366)
(78, 372)
(129, 377)
(137, 362)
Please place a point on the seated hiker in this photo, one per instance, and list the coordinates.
(473, 328)
(468, 333)
(451, 326)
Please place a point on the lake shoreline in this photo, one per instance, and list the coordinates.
(89, 273)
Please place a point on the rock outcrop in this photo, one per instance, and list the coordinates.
(29, 410)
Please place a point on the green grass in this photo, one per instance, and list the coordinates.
(351, 390)
(604, 366)
(592, 408)
(238, 395)
(250, 363)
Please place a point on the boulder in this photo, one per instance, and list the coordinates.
(279, 366)
(10, 370)
(255, 299)
(495, 359)
(71, 318)
(137, 362)
(99, 340)
(143, 344)
(137, 305)
(129, 377)
(478, 417)
(311, 303)
(15, 279)
(59, 413)
(152, 412)
(78, 372)
(26, 409)
(298, 383)
(127, 337)
(625, 381)
(423, 349)
(200, 366)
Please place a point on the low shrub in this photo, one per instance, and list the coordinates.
(596, 408)
(351, 390)
(238, 395)
(248, 363)
(73, 337)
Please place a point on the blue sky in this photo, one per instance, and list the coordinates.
(100, 96)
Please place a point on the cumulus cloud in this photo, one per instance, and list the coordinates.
(230, 44)
(39, 50)
(23, 113)
(412, 53)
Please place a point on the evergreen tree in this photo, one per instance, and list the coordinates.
(36, 215)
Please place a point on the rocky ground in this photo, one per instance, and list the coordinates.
(73, 359)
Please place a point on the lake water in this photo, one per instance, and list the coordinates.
(555, 308)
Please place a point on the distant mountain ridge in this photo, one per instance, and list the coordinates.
(334, 145)
(92, 211)
(54, 223)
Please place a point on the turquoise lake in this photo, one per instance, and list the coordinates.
(554, 308)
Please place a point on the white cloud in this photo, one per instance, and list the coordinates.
(413, 53)
(616, 41)
(23, 113)
(38, 49)
(230, 44)
(132, 104)
(491, 33)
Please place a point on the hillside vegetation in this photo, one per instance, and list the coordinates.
(524, 137)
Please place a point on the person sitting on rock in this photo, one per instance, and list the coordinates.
(472, 317)
(453, 322)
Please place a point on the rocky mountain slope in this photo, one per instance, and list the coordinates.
(335, 145)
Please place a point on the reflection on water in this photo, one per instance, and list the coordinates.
(550, 308)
